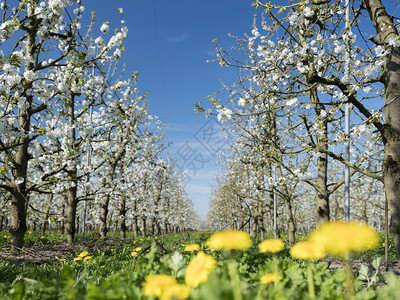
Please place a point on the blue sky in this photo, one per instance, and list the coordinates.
(169, 43)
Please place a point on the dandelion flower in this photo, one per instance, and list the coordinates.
(155, 284)
(177, 291)
(342, 237)
(271, 277)
(271, 245)
(165, 287)
(134, 253)
(83, 254)
(230, 240)
(199, 268)
(77, 258)
(137, 249)
(307, 250)
(88, 257)
(192, 247)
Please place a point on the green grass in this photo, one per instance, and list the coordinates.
(113, 273)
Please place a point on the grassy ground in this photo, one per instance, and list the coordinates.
(117, 269)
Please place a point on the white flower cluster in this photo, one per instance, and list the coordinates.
(295, 18)
(7, 29)
(224, 114)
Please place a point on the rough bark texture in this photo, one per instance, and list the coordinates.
(122, 216)
(135, 227)
(289, 211)
(386, 30)
(322, 194)
(18, 220)
(45, 220)
(70, 226)
(391, 164)
(19, 192)
(103, 216)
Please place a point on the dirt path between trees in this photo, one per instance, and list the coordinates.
(51, 254)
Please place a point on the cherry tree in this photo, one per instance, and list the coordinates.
(45, 40)
(302, 64)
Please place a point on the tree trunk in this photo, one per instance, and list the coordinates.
(391, 163)
(386, 29)
(289, 211)
(322, 193)
(19, 193)
(103, 217)
(70, 226)
(122, 215)
(62, 225)
(46, 220)
(135, 227)
(254, 226)
(144, 226)
(18, 220)
(72, 176)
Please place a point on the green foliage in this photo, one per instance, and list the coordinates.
(376, 277)
(116, 274)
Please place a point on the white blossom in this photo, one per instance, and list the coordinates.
(291, 102)
(308, 12)
(295, 18)
(242, 102)
(394, 42)
(224, 114)
(29, 75)
(105, 27)
(99, 40)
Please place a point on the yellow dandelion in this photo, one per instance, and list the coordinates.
(199, 268)
(137, 249)
(62, 259)
(88, 257)
(42, 237)
(77, 258)
(192, 247)
(342, 237)
(134, 254)
(176, 291)
(165, 287)
(307, 250)
(230, 240)
(271, 277)
(271, 245)
(83, 254)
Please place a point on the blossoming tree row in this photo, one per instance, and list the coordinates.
(76, 135)
(299, 67)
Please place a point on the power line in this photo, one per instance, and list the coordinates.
(159, 58)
